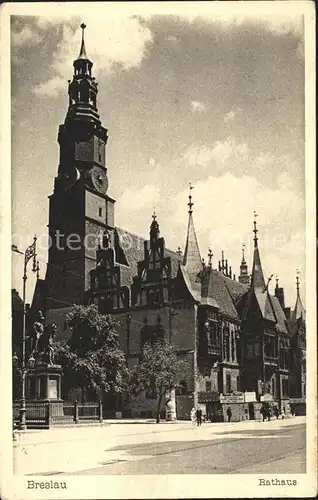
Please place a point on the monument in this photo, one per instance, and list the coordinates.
(44, 381)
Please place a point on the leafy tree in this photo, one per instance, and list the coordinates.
(160, 369)
(91, 357)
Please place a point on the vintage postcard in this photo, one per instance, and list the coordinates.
(158, 287)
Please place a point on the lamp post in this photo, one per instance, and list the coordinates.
(28, 255)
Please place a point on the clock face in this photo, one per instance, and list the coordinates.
(99, 179)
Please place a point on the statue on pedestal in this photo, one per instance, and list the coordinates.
(49, 349)
(37, 331)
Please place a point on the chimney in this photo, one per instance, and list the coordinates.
(279, 293)
(287, 312)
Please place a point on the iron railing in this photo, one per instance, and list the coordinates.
(45, 414)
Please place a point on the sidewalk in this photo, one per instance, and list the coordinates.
(72, 449)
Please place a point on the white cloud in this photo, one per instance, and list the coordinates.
(232, 114)
(197, 106)
(276, 22)
(51, 87)
(220, 153)
(223, 214)
(25, 36)
(108, 40)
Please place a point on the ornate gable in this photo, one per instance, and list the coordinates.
(106, 289)
(152, 285)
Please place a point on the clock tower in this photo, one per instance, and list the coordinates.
(80, 209)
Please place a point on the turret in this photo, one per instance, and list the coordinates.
(244, 276)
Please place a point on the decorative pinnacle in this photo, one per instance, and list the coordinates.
(82, 54)
(179, 252)
(190, 204)
(222, 258)
(243, 252)
(297, 280)
(154, 215)
(276, 281)
(255, 231)
(210, 255)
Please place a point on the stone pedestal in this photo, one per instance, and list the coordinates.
(44, 383)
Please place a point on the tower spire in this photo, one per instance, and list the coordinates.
(297, 282)
(210, 255)
(299, 311)
(243, 253)
(190, 203)
(83, 89)
(243, 276)
(257, 280)
(82, 54)
(154, 227)
(191, 258)
(255, 231)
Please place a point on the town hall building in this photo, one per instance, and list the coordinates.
(238, 338)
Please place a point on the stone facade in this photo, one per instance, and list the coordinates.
(236, 335)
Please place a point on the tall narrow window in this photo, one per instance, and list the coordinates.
(238, 386)
(228, 383)
(100, 212)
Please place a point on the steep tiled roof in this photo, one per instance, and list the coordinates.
(219, 291)
(235, 288)
(214, 289)
(193, 286)
(257, 279)
(264, 304)
(299, 311)
(280, 315)
(192, 257)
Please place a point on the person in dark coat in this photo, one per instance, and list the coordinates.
(263, 412)
(229, 414)
(198, 415)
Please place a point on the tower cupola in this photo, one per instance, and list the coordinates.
(83, 89)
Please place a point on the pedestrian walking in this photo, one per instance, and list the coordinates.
(283, 413)
(229, 414)
(199, 417)
(263, 412)
(192, 416)
(276, 412)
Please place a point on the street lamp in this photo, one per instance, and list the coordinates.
(29, 254)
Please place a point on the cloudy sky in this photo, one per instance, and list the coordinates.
(211, 99)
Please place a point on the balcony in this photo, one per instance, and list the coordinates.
(214, 350)
(271, 361)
